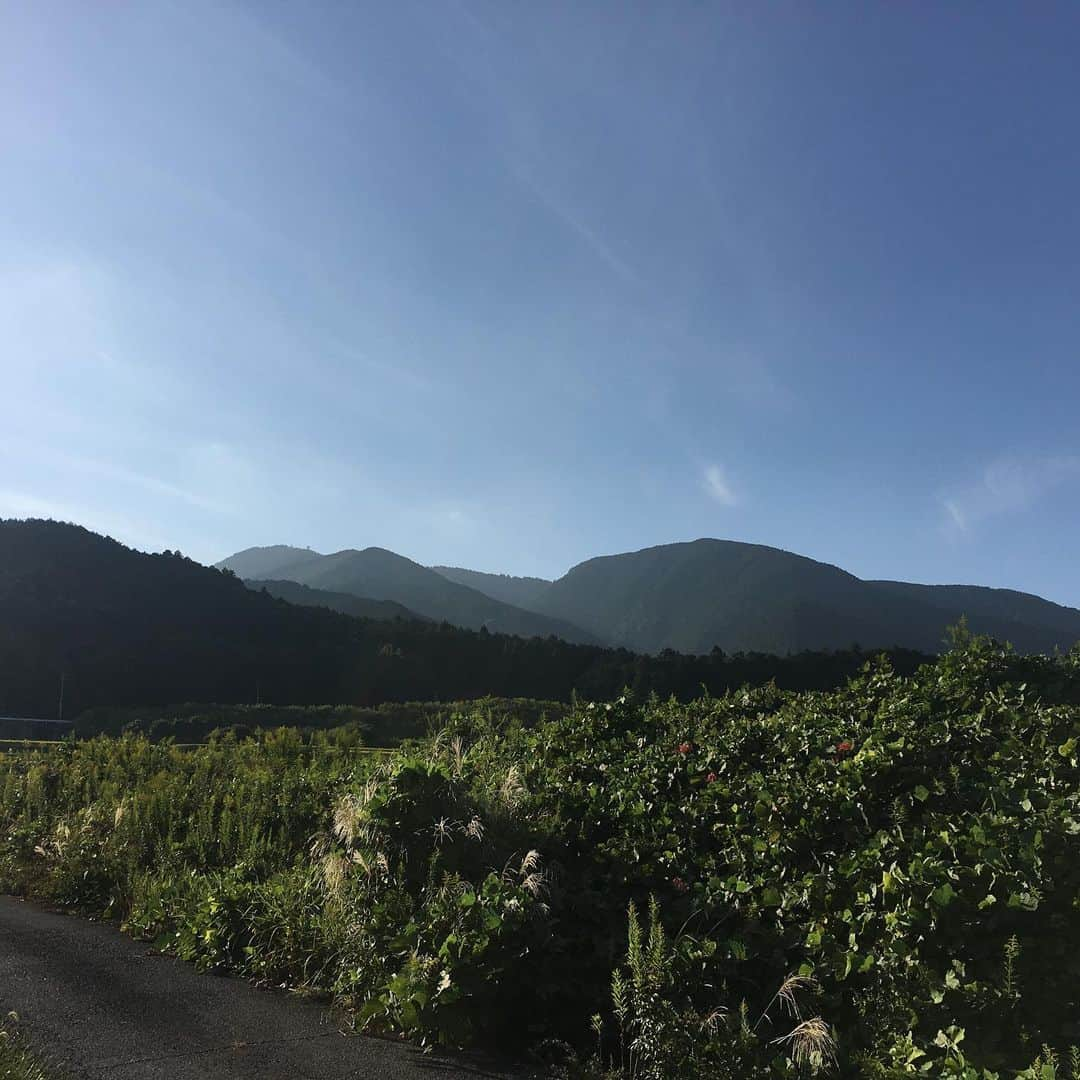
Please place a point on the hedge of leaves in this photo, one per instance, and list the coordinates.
(911, 844)
(882, 880)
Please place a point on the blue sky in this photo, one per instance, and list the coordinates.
(509, 285)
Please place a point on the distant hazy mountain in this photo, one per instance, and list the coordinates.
(746, 597)
(690, 597)
(521, 591)
(361, 606)
(382, 575)
(267, 562)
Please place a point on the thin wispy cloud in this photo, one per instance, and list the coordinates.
(118, 477)
(957, 517)
(572, 220)
(551, 167)
(718, 487)
(270, 52)
(536, 153)
(395, 371)
(1006, 486)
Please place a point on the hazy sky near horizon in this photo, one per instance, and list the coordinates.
(509, 285)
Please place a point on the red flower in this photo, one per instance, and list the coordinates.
(711, 778)
(680, 885)
(684, 748)
(845, 747)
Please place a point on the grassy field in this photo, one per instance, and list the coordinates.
(879, 881)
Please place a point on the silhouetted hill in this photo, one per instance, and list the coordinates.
(382, 575)
(126, 628)
(361, 606)
(747, 597)
(523, 592)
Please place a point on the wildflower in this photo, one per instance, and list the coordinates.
(679, 884)
(845, 747)
(684, 748)
(711, 778)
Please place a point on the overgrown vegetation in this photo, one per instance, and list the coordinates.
(17, 1061)
(381, 725)
(880, 880)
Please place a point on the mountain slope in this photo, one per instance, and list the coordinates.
(523, 592)
(361, 606)
(124, 627)
(383, 575)
(747, 597)
(1023, 609)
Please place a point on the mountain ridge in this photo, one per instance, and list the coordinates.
(705, 593)
(118, 627)
(698, 595)
(511, 589)
(377, 573)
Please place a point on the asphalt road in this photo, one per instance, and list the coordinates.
(100, 1007)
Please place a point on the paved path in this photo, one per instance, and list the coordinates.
(98, 1005)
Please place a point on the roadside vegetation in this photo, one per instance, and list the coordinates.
(881, 880)
(17, 1062)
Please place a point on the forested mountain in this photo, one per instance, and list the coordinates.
(690, 597)
(524, 592)
(125, 628)
(382, 575)
(977, 601)
(694, 596)
(361, 606)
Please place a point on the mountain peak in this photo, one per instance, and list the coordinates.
(266, 562)
(376, 573)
